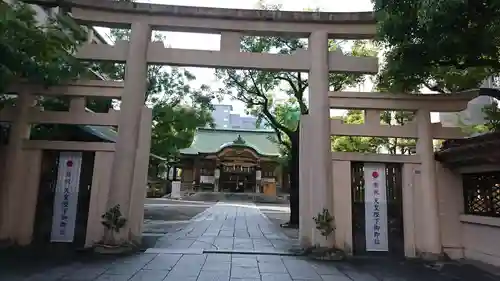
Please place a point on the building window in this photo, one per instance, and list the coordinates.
(268, 174)
(482, 194)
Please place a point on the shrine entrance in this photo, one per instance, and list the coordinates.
(238, 178)
(238, 163)
(377, 209)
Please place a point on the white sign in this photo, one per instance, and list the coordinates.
(206, 179)
(66, 197)
(269, 180)
(176, 190)
(375, 208)
(258, 175)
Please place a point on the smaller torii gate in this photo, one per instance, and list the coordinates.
(336, 197)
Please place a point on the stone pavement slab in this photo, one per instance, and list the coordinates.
(237, 267)
(249, 230)
(228, 228)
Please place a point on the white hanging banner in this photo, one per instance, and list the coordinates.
(66, 197)
(375, 208)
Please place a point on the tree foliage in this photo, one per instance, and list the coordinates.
(178, 108)
(39, 51)
(287, 113)
(444, 45)
(491, 124)
(261, 91)
(355, 143)
(42, 52)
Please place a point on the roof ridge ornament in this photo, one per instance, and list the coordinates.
(239, 140)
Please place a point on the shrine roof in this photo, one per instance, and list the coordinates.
(209, 141)
(478, 150)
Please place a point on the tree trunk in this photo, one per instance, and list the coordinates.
(294, 179)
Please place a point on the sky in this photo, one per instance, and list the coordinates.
(211, 41)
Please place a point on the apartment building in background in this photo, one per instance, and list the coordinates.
(224, 119)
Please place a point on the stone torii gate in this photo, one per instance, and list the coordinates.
(125, 183)
(420, 177)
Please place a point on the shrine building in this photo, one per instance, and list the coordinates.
(232, 160)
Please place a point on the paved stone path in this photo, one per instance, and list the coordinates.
(190, 254)
(229, 228)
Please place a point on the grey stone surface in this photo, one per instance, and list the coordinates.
(244, 272)
(163, 262)
(183, 265)
(113, 277)
(275, 277)
(244, 262)
(150, 275)
(228, 228)
(217, 266)
(301, 269)
(325, 268)
(222, 275)
(360, 276)
(272, 267)
(175, 278)
(336, 278)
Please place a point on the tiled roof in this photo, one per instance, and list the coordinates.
(103, 132)
(207, 140)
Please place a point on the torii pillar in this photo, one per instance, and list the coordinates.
(122, 171)
(318, 132)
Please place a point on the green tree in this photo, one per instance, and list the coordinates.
(397, 145)
(445, 45)
(174, 128)
(39, 52)
(259, 89)
(43, 53)
(355, 143)
(466, 53)
(178, 108)
(492, 121)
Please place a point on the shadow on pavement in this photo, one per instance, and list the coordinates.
(414, 270)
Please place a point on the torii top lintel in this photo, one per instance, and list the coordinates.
(362, 23)
(220, 13)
